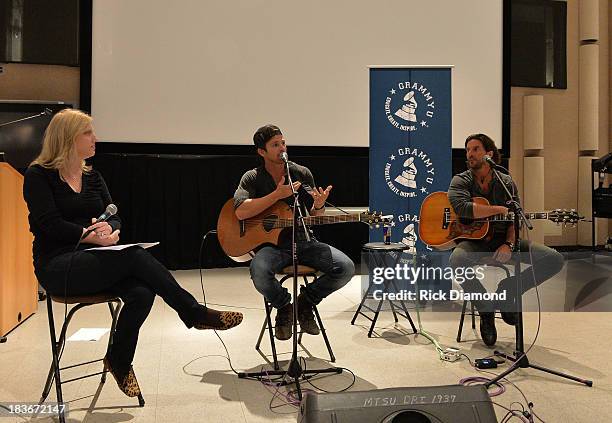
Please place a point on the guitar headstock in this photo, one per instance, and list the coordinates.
(374, 219)
(565, 217)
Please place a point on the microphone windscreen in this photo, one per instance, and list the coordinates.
(111, 210)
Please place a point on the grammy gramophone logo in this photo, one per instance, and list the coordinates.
(409, 106)
(409, 172)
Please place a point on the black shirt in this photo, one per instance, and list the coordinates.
(258, 182)
(463, 188)
(58, 214)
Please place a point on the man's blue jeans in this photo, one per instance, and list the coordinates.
(336, 267)
(546, 263)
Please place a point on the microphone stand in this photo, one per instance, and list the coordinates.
(294, 370)
(519, 357)
(43, 113)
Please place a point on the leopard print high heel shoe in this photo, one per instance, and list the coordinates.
(127, 383)
(219, 320)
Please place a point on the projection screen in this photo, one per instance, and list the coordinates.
(211, 72)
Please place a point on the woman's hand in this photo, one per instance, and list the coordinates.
(111, 239)
(101, 229)
(102, 234)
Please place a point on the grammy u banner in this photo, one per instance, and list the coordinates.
(410, 144)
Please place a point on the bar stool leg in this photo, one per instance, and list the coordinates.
(114, 312)
(271, 333)
(403, 304)
(55, 365)
(460, 331)
(365, 296)
(332, 357)
(393, 311)
(375, 318)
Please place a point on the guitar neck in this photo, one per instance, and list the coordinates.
(510, 217)
(320, 220)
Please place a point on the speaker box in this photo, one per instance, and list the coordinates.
(430, 404)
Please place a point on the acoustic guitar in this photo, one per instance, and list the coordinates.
(440, 228)
(238, 238)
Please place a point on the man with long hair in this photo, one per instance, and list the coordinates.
(478, 181)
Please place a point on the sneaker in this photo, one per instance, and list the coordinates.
(306, 316)
(219, 320)
(284, 323)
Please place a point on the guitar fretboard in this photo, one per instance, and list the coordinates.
(318, 220)
(510, 217)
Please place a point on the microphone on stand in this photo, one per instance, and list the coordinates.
(284, 157)
(111, 210)
(490, 161)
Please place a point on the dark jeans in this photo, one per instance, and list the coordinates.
(336, 267)
(133, 275)
(546, 263)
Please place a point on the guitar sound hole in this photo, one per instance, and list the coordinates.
(270, 222)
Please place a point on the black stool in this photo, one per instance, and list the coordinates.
(376, 251)
(472, 311)
(305, 272)
(57, 347)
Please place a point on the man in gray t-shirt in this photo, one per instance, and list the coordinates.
(259, 189)
(478, 181)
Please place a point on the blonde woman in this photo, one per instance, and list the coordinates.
(64, 196)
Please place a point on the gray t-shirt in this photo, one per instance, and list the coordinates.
(463, 188)
(257, 183)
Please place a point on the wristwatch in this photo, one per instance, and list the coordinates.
(510, 244)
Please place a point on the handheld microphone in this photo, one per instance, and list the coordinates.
(284, 157)
(111, 210)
